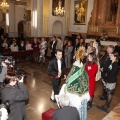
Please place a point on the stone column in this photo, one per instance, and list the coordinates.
(94, 13)
(34, 17)
(46, 12)
(67, 15)
(118, 15)
(39, 18)
(28, 23)
(12, 20)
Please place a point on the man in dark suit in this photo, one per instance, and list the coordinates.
(117, 49)
(53, 46)
(56, 69)
(103, 68)
(66, 112)
(77, 45)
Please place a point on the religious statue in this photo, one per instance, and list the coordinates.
(112, 10)
(81, 14)
(114, 6)
(104, 35)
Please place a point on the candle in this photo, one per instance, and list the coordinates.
(94, 28)
(117, 30)
(97, 28)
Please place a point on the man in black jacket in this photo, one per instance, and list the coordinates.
(77, 45)
(117, 49)
(103, 68)
(53, 46)
(56, 69)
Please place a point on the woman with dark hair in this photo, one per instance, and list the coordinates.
(59, 44)
(68, 54)
(35, 46)
(110, 78)
(22, 45)
(5, 43)
(65, 42)
(16, 93)
(82, 42)
(91, 69)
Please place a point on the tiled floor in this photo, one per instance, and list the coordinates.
(39, 87)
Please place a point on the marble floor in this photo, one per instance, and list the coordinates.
(39, 87)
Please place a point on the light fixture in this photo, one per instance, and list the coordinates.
(7, 19)
(59, 11)
(4, 6)
(34, 19)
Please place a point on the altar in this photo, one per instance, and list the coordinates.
(104, 43)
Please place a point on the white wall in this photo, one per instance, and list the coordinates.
(16, 13)
(57, 25)
(19, 13)
(80, 28)
(12, 20)
(53, 19)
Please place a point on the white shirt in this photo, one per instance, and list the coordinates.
(53, 43)
(59, 66)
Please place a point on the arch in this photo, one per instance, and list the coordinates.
(57, 28)
(21, 29)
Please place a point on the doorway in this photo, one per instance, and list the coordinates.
(21, 29)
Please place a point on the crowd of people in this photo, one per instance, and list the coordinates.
(82, 64)
(84, 70)
(13, 92)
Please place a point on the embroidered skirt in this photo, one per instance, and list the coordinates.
(110, 87)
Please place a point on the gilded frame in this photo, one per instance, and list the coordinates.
(80, 12)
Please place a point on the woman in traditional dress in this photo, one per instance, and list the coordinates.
(77, 85)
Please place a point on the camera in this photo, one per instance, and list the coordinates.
(21, 76)
(10, 59)
(6, 105)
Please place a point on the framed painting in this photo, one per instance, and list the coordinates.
(80, 12)
(27, 15)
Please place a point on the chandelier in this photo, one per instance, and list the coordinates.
(59, 11)
(4, 6)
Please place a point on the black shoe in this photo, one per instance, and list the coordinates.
(89, 105)
(106, 106)
(53, 100)
(102, 98)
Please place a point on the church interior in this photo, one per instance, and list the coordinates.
(26, 20)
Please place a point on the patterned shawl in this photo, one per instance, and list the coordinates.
(77, 81)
